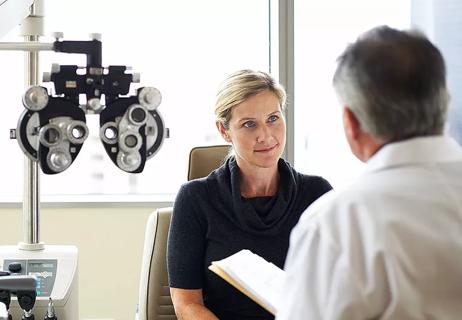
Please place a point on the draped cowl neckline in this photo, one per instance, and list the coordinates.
(257, 215)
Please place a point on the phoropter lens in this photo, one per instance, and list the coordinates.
(78, 132)
(137, 115)
(131, 141)
(110, 133)
(52, 136)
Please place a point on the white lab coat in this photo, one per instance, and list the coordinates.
(387, 247)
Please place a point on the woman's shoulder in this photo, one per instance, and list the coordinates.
(314, 182)
(204, 184)
(193, 186)
(308, 179)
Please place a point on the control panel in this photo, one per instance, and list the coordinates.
(55, 268)
(43, 269)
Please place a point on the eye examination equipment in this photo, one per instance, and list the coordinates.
(54, 270)
(24, 288)
(51, 131)
(53, 128)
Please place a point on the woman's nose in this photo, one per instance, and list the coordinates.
(263, 133)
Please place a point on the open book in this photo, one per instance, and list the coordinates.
(257, 278)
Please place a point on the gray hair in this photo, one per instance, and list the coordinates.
(240, 86)
(394, 82)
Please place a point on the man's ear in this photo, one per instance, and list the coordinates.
(222, 131)
(351, 124)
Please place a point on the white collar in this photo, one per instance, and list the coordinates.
(414, 151)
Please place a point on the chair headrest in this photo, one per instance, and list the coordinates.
(203, 160)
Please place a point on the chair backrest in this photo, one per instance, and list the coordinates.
(154, 296)
(203, 160)
(154, 301)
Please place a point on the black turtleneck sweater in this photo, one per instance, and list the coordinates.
(211, 221)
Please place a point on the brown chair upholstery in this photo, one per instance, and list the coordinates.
(154, 301)
(203, 160)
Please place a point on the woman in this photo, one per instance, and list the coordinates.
(251, 202)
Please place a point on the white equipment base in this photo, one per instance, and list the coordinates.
(56, 270)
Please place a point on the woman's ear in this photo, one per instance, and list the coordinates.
(223, 131)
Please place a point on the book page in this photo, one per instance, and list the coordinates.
(260, 278)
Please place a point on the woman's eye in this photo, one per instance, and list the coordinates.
(273, 118)
(248, 124)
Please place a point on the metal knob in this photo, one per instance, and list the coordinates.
(150, 98)
(136, 78)
(35, 98)
(57, 35)
(46, 77)
(55, 68)
(94, 104)
(59, 160)
(95, 36)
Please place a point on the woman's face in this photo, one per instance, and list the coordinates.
(257, 130)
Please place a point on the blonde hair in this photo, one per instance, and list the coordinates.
(240, 86)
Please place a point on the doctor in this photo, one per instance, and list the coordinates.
(389, 246)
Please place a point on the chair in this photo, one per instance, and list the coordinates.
(203, 160)
(154, 296)
(154, 302)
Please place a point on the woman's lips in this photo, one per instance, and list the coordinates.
(266, 149)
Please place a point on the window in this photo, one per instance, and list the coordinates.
(186, 48)
(441, 21)
(183, 48)
(322, 31)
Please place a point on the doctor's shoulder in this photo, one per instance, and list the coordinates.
(334, 206)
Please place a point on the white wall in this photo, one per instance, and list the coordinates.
(110, 241)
